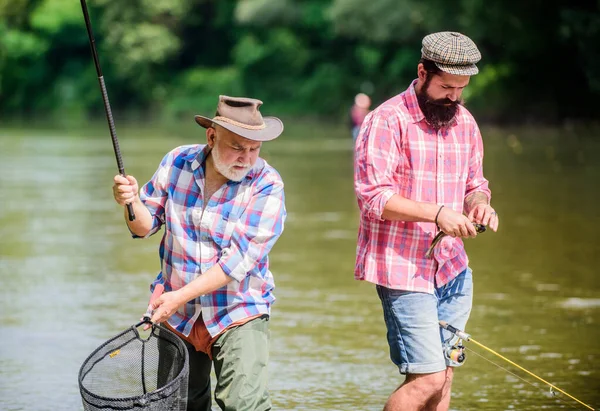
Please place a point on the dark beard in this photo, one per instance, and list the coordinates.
(437, 114)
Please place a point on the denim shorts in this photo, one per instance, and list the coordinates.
(413, 332)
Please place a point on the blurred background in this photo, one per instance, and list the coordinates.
(72, 277)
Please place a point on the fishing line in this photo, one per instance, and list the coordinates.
(521, 378)
(467, 337)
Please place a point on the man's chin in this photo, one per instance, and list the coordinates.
(236, 175)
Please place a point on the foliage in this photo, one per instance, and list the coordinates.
(174, 57)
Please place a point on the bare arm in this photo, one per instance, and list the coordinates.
(399, 208)
(143, 220)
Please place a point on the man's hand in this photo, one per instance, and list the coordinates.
(125, 190)
(165, 306)
(455, 224)
(484, 214)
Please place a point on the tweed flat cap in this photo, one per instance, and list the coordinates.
(452, 52)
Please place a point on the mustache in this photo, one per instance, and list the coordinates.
(444, 102)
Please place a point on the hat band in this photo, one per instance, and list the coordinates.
(237, 123)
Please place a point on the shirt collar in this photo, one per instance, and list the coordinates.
(412, 104)
(414, 110)
(198, 158)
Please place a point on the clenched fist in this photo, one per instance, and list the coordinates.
(125, 189)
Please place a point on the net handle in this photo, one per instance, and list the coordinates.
(158, 290)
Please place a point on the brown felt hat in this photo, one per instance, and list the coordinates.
(241, 116)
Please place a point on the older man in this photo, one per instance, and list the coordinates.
(222, 208)
(418, 170)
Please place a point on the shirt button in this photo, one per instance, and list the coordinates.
(204, 238)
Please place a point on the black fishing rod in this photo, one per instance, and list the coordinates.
(109, 117)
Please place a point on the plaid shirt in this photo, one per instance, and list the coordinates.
(398, 153)
(237, 229)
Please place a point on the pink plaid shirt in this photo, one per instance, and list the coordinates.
(398, 153)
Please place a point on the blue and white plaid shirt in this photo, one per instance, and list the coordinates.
(238, 227)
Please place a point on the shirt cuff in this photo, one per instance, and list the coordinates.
(378, 204)
(156, 224)
(234, 264)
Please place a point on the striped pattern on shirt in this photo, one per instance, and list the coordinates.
(398, 153)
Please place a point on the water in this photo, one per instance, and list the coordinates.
(72, 277)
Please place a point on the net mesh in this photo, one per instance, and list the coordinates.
(131, 372)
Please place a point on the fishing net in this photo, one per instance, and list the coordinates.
(130, 372)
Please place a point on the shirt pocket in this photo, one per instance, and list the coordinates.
(225, 228)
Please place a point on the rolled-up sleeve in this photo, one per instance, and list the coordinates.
(257, 230)
(476, 182)
(154, 195)
(376, 157)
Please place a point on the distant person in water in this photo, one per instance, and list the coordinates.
(358, 112)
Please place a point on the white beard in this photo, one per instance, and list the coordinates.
(228, 171)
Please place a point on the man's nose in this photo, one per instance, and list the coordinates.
(245, 157)
(453, 95)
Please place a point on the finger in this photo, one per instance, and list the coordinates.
(477, 215)
(472, 231)
(464, 230)
(160, 315)
(132, 180)
(125, 188)
(146, 325)
(494, 222)
(488, 212)
(157, 316)
(119, 179)
(126, 196)
(123, 198)
(472, 214)
(157, 303)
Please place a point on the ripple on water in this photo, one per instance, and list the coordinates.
(580, 303)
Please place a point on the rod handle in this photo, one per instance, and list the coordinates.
(455, 331)
(130, 212)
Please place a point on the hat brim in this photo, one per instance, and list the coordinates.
(273, 128)
(463, 70)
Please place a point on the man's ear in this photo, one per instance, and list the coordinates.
(421, 72)
(211, 137)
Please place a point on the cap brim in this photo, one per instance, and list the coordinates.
(465, 70)
(273, 128)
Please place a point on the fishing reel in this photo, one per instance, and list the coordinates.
(455, 353)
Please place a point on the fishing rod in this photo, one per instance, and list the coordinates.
(467, 337)
(109, 117)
